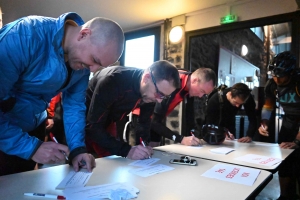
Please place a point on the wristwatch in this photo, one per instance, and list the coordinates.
(297, 142)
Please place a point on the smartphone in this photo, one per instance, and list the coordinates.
(184, 160)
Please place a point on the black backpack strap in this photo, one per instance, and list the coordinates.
(221, 102)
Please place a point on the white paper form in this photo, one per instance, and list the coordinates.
(151, 170)
(145, 162)
(75, 179)
(98, 192)
(222, 150)
(233, 173)
(258, 159)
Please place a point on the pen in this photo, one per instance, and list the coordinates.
(142, 142)
(192, 134)
(54, 140)
(51, 196)
(228, 134)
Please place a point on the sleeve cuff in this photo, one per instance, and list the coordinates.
(36, 148)
(179, 138)
(76, 152)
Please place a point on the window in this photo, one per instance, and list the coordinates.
(141, 48)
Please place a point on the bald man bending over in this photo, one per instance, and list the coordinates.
(39, 58)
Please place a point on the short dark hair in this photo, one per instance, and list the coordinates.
(240, 90)
(164, 70)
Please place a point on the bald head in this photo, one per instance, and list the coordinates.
(106, 32)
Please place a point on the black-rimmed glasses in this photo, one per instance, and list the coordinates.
(158, 93)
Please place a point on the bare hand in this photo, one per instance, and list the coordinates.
(154, 144)
(246, 139)
(84, 160)
(263, 130)
(288, 145)
(139, 152)
(230, 137)
(49, 123)
(190, 141)
(50, 153)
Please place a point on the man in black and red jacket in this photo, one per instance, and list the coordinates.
(113, 93)
(196, 84)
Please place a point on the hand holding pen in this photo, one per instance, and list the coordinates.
(142, 142)
(54, 140)
(229, 136)
(50, 153)
(263, 130)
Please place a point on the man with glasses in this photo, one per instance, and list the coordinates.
(196, 84)
(113, 93)
(284, 89)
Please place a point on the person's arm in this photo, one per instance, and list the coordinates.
(51, 111)
(105, 94)
(158, 128)
(74, 110)
(14, 56)
(250, 111)
(142, 128)
(270, 101)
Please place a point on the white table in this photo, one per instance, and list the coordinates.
(184, 182)
(241, 149)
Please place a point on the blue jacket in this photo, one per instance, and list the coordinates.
(32, 71)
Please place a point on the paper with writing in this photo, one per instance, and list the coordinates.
(98, 191)
(260, 160)
(222, 150)
(145, 162)
(233, 173)
(75, 179)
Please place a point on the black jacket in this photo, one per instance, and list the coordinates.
(158, 128)
(111, 95)
(228, 113)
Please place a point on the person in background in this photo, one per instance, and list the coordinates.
(39, 58)
(113, 93)
(55, 124)
(223, 106)
(196, 84)
(284, 89)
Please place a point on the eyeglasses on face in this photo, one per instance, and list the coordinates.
(158, 94)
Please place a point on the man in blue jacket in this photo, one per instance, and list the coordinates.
(40, 57)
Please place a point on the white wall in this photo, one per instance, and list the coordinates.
(245, 10)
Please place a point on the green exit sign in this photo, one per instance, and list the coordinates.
(228, 19)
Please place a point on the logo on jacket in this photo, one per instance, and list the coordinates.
(174, 137)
